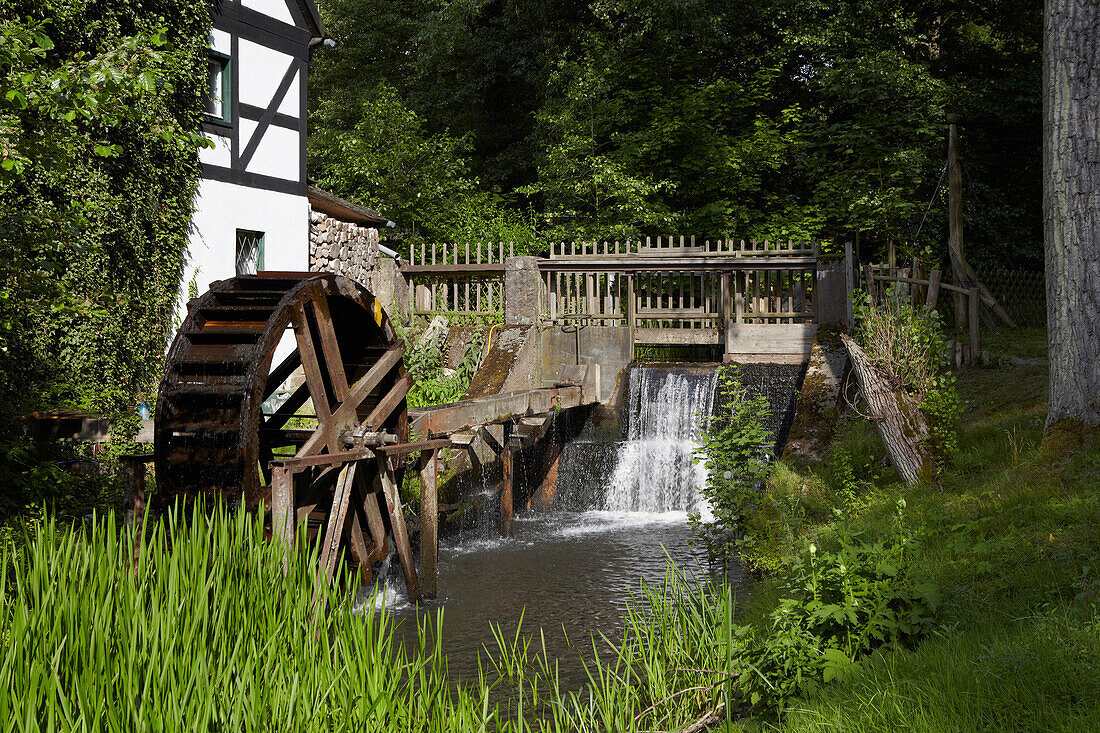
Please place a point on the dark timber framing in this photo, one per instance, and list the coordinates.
(242, 23)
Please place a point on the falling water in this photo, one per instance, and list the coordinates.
(655, 470)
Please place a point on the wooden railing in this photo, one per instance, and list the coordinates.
(880, 280)
(667, 290)
(679, 290)
(466, 279)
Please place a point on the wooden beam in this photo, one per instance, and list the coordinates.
(282, 512)
(334, 531)
(325, 459)
(389, 403)
(429, 524)
(401, 449)
(330, 347)
(397, 523)
(279, 374)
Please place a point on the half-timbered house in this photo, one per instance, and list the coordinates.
(252, 211)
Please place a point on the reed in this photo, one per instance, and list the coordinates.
(206, 632)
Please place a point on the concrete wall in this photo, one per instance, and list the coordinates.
(609, 346)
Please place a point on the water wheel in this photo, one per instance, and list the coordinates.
(277, 366)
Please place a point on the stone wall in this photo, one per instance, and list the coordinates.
(352, 251)
(342, 248)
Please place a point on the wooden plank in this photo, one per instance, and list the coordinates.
(400, 532)
(678, 336)
(282, 512)
(770, 338)
(666, 263)
(279, 374)
(357, 543)
(312, 369)
(324, 459)
(330, 347)
(933, 289)
(429, 524)
(402, 449)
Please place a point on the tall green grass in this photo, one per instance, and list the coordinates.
(206, 632)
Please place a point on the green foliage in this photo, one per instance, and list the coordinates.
(907, 344)
(735, 451)
(836, 606)
(767, 118)
(422, 180)
(435, 384)
(99, 117)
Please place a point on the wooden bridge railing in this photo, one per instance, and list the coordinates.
(674, 290)
(678, 290)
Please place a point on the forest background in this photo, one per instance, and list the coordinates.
(521, 120)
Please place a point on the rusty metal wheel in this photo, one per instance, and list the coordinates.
(224, 411)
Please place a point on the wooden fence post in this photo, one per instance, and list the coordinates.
(849, 285)
(429, 524)
(933, 289)
(282, 511)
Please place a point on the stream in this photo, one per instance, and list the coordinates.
(619, 516)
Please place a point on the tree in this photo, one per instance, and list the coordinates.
(1071, 207)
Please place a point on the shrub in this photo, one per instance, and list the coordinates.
(837, 605)
(735, 451)
(906, 343)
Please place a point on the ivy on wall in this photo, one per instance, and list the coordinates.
(100, 111)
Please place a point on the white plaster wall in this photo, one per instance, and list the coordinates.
(261, 69)
(278, 153)
(223, 208)
(221, 154)
(221, 41)
(275, 8)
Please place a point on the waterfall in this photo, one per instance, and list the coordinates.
(655, 471)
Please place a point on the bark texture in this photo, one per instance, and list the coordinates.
(1071, 206)
(900, 424)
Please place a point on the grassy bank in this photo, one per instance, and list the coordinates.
(1012, 541)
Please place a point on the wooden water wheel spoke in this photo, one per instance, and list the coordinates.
(311, 367)
(280, 374)
(386, 406)
(330, 348)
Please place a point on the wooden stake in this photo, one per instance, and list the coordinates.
(954, 216)
(506, 519)
(974, 301)
(933, 289)
(282, 511)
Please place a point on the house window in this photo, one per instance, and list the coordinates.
(250, 252)
(219, 95)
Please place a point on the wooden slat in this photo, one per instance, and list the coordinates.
(400, 533)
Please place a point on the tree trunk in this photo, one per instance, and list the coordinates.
(900, 424)
(1071, 206)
